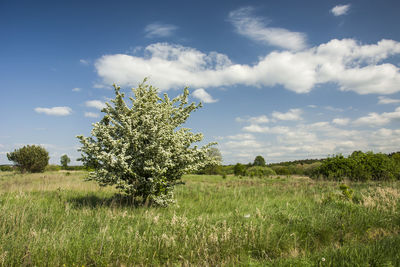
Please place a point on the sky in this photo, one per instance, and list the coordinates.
(283, 79)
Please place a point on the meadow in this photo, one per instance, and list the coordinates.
(57, 219)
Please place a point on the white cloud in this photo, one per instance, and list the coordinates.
(156, 29)
(375, 119)
(76, 89)
(257, 120)
(254, 128)
(95, 104)
(256, 29)
(330, 108)
(386, 100)
(340, 10)
(291, 115)
(54, 111)
(352, 66)
(241, 137)
(243, 144)
(341, 121)
(203, 96)
(91, 115)
(84, 62)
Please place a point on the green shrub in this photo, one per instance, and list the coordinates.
(359, 166)
(30, 158)
(347, 192)
(259, 171)
(239, 169)
(281, 170)
(312, 169)
(52, 168)
(6, 168)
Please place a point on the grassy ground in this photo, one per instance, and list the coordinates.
(52, 219)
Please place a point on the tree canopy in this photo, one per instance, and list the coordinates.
(30, 158)
(143, 148)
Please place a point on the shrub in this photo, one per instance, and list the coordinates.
(239, 170)
(281, 170)
(6, 168)
(311, 170)
(359, 166)
(52, 168)
(334, 168)
(258, 171)
(30, 158)
(143, 149)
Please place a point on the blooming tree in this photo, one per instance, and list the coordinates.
(143, 149)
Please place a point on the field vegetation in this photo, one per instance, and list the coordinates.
(56, 219)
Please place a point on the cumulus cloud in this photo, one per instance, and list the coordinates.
(241, 137)
(340, 10)
(302, 140)
(255, 28)
(76, 89)
(54, 111)
(91, 115)
(203, 96)
(292, 115)
(255, 128)
(374, 119)
(257, 119)
(95, 104)
(349, 64)
(341, 121)
(155, 30)
(386, 100)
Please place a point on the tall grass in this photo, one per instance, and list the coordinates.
(52, 219)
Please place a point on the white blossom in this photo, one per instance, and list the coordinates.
(143, 149)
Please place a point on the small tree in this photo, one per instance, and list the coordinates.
(64, 161)
(215, 166)
(259, 161)
(239, 169)
(143, 149)
(30, 158)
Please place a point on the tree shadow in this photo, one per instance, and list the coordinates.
(94, 201)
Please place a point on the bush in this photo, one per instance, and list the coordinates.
(143, 149)
(359, 166)
(52, 168)
(311, 170)
(334, 168)
(281, 170)
(258, 171)
(30, 158)
(6, 168)
(239, 170)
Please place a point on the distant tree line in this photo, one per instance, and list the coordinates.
(359, 166)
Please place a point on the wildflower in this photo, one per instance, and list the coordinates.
(323, 259)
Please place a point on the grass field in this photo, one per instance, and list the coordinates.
(56, 219)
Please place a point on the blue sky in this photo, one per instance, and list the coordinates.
(282, 79)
